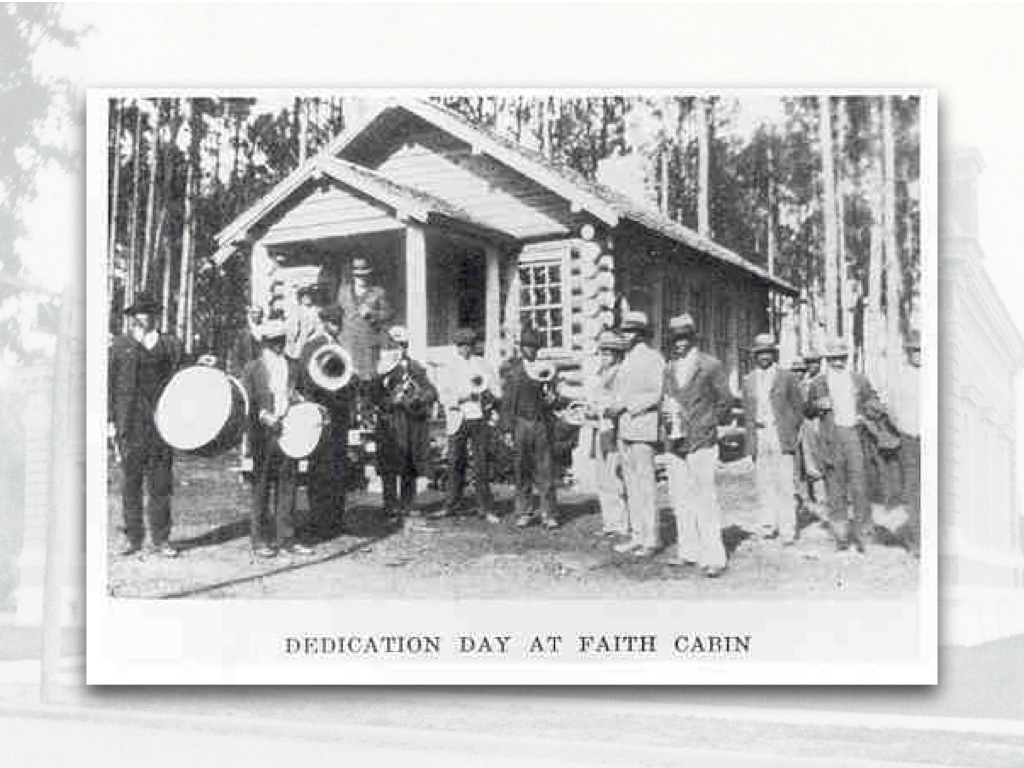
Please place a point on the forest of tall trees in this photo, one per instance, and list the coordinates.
(822, 191)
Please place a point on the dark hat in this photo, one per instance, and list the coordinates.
(530, 338)
(464, 336)
(764, 342)
(313, 290)
(145, 304)
(361, 266)
(682, 325)
(913, 340)
(332, 314)
(634, 321)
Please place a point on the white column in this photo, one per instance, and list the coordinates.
(492, 303)
(262, 267)
(416, 289)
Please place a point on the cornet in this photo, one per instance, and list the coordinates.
(330, 367)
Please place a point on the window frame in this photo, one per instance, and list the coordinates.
(547, 255)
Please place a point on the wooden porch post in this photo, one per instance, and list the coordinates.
(416, 289)
(492, 303)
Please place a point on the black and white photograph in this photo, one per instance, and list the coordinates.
(439, 639)
(532, 347)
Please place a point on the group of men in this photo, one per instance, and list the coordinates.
(807, 433)
(810, 438)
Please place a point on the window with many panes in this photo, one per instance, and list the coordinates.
(541, 300)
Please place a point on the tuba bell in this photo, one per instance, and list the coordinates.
(330, 367)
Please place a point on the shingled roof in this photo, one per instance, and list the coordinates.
(541, 169)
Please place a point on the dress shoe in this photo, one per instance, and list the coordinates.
(550, 522)
(626, 547)
(165, 550)
(525, 520)
(642, 551)
(298, 549)
(712, 572)
(265, 552)
(492, 518)
(441, 514)
(130, 550)
(681, 562)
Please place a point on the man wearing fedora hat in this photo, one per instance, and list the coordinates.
(604, 440)
(367, 312)
(527, 417)
(843, 399)
(141, 363)
(695, 400)
(404, 397)
(635, 409)
(807, 473)
(270, 383)
(327, 478)
(468, 390)
(773, 407)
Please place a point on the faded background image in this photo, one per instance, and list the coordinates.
(50, 54)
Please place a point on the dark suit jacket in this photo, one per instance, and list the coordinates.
(135, 379)
(787, 402)
(361, 330)
(819, 404)
(703, 403)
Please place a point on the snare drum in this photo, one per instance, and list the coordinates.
(202, 410)
(302, 429)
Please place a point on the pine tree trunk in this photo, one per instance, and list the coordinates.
(893, 273)
(703, 168)
(133, 214)
(831, 270)
(115, 199)
(148, 252)
(186, 235)
(874, 344)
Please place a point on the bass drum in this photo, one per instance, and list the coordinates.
(202, 411)
(302, 430)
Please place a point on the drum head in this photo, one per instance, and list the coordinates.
(194, 408)
(301, 430)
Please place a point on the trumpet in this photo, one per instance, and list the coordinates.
(330, 367)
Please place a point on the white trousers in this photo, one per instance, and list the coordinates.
(773, 473)
(611, 493)
(695, 503)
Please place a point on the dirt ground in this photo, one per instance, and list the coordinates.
(470, 558)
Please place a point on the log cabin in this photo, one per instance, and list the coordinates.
(465, 227)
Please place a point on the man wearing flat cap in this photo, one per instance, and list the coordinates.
(367, 313)
(468, 390)
(695, 400)
(843, 399)
(527, 414)
(327, 478)
(773, 405)
(635, 409)
(404, 397)
(141, 363)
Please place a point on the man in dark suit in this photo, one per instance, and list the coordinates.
(695, 400)
(141, 363)
(404, 397)
(367, 312)
(773, 405)
(327, 479)
(527, 417)
(269, 382)
(843, 400)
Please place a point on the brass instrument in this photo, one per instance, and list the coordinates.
(544, 373)
(330, 367)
